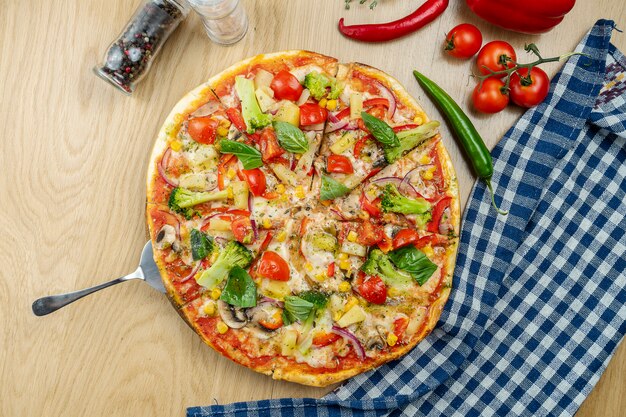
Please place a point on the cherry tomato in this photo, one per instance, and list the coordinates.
(203, 129)
(463, 41)
(272, 266)
(242, 229)
(339, 164)
(312, 114)
(373, 289)
(405, 237)
(324, 339)
(236, 118)
(371, 207)
(256, 180)
(489, 97)
(286, 86)
(529, 91)
(268, 143)
(369, 234)
(378, 112)
(496, 56)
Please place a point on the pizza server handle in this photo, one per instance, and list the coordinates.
(147, 271)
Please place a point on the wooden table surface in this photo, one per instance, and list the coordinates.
(73, 161)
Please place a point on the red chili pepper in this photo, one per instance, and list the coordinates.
(381, 32)
(527, 16)
(433, 225)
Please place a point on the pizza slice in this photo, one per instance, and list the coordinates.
(375, 124)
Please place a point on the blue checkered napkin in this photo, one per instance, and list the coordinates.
(539, 299)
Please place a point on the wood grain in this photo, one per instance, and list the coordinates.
(73, 161)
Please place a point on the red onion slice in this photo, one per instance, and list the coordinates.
(406, 185)
(255, 229)
(338, 214)
(161, 169)
(193, 272)
(272, 301)
(392, 180)
(335, 126)
(347, 334)
(221, 240)
(250, 202)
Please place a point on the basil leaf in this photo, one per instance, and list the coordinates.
(201, 245)
(319, 299)
(240, 290)
(297, 309)
(381, 131)
(290, 137)
(332, 188)
(250, 157)
(413, 261)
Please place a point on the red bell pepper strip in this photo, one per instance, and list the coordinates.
(433, 225)
(343, 113)
(371, 207)
(381, 32)
(402, 128)
(235, 118)
(376, 102)
(330, 272)
(222, 168)
(266, 242)
(360, 144)
(532, 16)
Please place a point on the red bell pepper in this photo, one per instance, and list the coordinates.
(526, 16)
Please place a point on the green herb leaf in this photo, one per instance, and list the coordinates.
(290, 137)
(381, 131)
(201, 244)
(319, 299)
(332, 188)
(413, 261)
(250, 157)
(240, 290)
(296, 309)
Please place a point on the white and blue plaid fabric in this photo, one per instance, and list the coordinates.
(539, 299)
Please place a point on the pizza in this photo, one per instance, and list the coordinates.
(304, 216)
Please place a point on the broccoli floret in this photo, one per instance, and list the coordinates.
(321, 85)
(233, 254)
(182, 200)
(378, 263)
(409, 139)
(395, 202)
(250, 110)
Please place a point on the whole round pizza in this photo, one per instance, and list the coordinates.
(304, 215)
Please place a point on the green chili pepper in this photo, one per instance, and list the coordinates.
(464, 131)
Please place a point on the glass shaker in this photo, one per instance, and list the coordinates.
(129, 57)
(225, 21)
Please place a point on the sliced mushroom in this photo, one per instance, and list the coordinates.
(165, 237)
(373, 339)
(234, 317)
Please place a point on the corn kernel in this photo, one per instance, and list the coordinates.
(326, 203)
(280, 188)
(428, 174)
(344, 286)
(283, 198)
(209, 309)
(363, 302)
(418, 120)
(267, 223)
(221, 327)
(215, 293)
(393, 292)
(281, 236)
(344, 264)
(231, 173)
(321, 277)
(222, 131)
(342, 256)
(352, 301)
(308, 266)
(300, 192)
(323, 102)
(331, 105)
(363, 215)
(428, 251)
(229, 190)
(225, 123)
(366, 158)
(352, 236)
(425, 159)
(392, 339)
(337, 316)
(176, 145)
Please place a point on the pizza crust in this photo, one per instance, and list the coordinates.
(282, 368)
